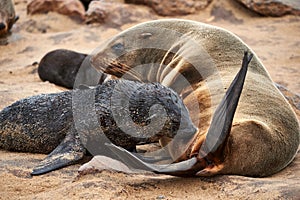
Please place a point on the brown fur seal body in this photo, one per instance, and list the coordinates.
(264, 136)
(7, 16)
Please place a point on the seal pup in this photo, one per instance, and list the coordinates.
(46, 123)
(60, 67)
(263, 136)
(7, 16)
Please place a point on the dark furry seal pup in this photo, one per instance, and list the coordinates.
(61, 124)
(60, 67)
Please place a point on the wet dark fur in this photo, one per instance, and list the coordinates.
(39, 123)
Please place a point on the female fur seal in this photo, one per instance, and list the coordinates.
(263, 136)
(7, 16)
(47, 123)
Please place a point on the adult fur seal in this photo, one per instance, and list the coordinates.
(46, 123)
(263, 136)
(7, 16)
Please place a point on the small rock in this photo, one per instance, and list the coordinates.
(114, 14)
(160, 197)
(274, 8)
(72, 8)
(219, 12)
(175, 7)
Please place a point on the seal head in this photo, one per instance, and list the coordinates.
(7, 16)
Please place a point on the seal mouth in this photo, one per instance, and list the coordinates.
(115, 68)
(119, 69)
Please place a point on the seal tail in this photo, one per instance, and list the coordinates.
(68, 152)
(211, 151)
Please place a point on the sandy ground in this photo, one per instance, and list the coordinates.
(276, 41)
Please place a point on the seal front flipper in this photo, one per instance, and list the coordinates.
(159, 155)
(68, 152)
(134, 162)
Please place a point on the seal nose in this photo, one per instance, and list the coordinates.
(2, 26)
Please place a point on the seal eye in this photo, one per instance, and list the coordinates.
(118, 48)
(145, 35)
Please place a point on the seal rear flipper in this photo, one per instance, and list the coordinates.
(211, 152)
(68, 152)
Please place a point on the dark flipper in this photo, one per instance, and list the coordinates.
(211, 153)
(159, 155)
(221, 123)
(68, 152)
(216, 136)
(134, 162)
